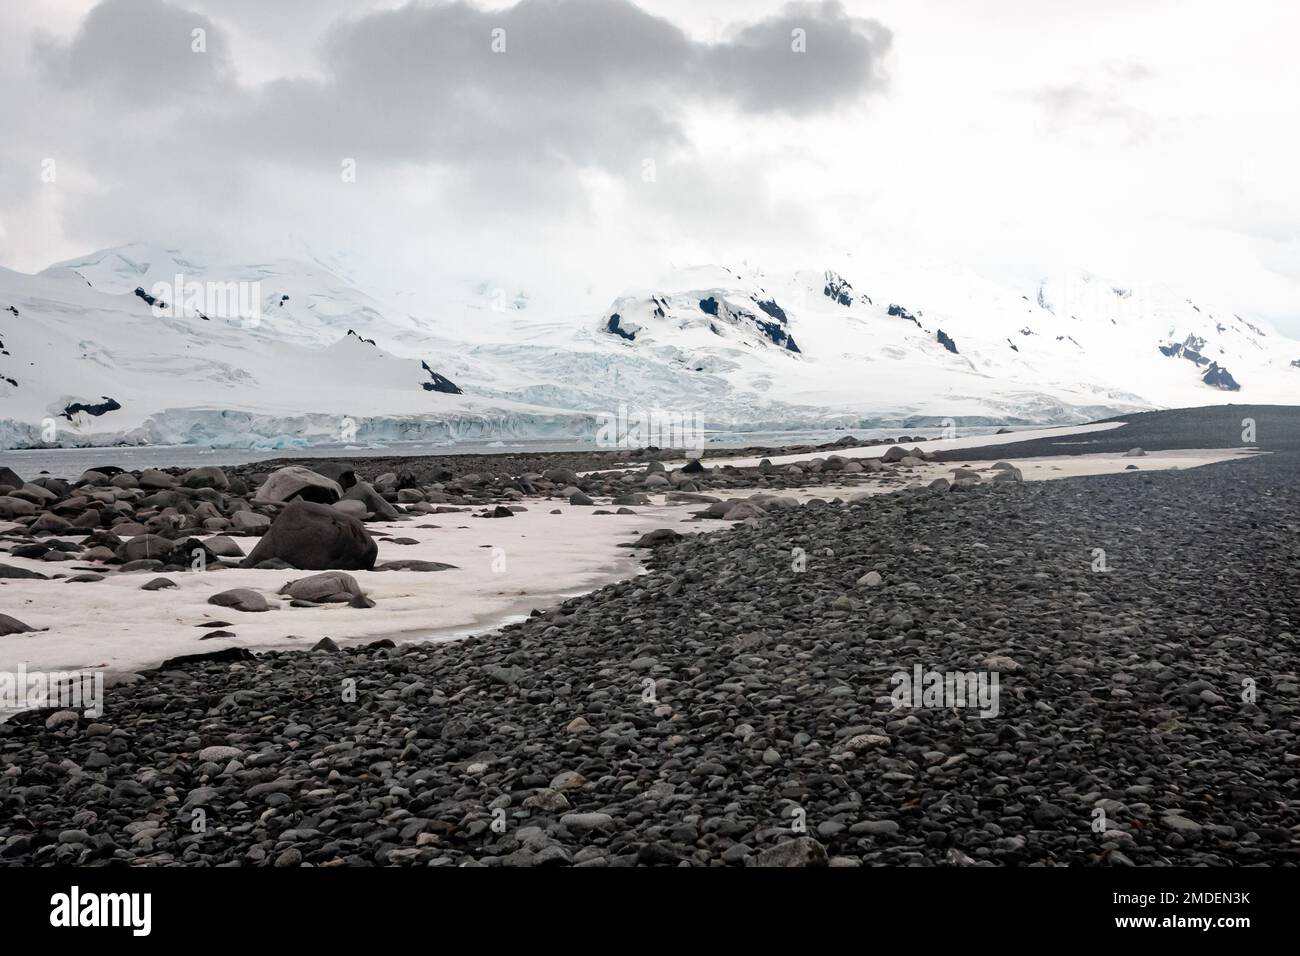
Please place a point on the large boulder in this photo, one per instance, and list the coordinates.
(10, 477)
(209, 476)
(249, 523)
(331, 587)
(155, 480)
(226, 655)
(561, 476)
(743, 510)
(144, 546)
(653, 539)
(315, 537)
(17, 573)
(12, 507)
(338, 471)
(11, 625)
(224, 547)
(58, 486)
(240, 599)
(296, 482)
(50, 523)
(102, 537)
(349, 506)
(411, 564)
(164, 498)
(192, 552)
(375, 503)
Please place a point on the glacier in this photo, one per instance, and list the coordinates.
(87, 360)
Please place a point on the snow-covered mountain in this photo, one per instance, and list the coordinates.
(147, 344)
(141, 345)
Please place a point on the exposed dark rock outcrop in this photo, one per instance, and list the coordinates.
(774, 330)
(439, 383)
(771, 308)
(150, 299)
(899, 312)
(947, 342)
(614, 324)
(97, 409)
(1216, 376)
(837, 288)
(1254, 328)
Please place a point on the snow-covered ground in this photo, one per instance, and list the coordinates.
(287, 353)
(503, 569)
(1046, 468)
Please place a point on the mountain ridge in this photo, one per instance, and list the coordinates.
(276, 352)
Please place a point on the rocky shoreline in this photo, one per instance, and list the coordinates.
(733, 706)
(312, 516)
(510, 465)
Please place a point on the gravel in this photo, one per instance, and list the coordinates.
(725, 709)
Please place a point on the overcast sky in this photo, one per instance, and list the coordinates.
(1146, 140)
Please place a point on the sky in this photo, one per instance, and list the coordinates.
(563, 143)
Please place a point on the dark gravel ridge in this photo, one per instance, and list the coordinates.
(509, 465)
(1212, 426)
(1123, 693)
(1277, 428)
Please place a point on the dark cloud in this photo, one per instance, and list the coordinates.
(578, 82)
(583, 82)
(140, 52)
(809, 58)
(552, 130)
